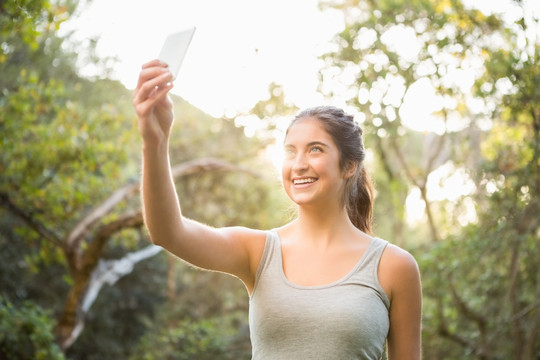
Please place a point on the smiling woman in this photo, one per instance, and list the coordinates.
(342, 137)
(320, 286)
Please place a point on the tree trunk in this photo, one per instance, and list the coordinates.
(71, 321)
(83, 264)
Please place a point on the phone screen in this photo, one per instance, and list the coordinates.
(174, 49)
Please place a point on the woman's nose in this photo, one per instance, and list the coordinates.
(300, 163)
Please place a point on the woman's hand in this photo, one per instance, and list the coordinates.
(152, 103)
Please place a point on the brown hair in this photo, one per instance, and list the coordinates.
(347, 135)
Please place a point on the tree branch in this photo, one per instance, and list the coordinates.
(93, 253)
(421, 186)
(79, 231)
(404, 164)
(384, 159)
(106, 272)
(464, 342)
(465, 309)
(525, 311)
(29, 220)
(436, 153)
(71, 321)
(110, 271)
(444, 331)
(83, 264)
(481, 349)
(512, 298)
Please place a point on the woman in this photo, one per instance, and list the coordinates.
(320, 287)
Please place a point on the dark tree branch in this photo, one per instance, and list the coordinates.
(78, 233)
(445, 332)
(404, 164)
(384, 158)
(464, 342)
(29, 220)
(71, 321)
(93, 253)
(464, 308)
(436, 153)
(481, 349)
(513, 299)
(81, 229)
(421, 185)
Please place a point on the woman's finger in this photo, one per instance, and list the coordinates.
(154, 62)
(144, 104)
(149, 73)
(149, 84)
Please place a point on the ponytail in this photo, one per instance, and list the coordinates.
(359, 200)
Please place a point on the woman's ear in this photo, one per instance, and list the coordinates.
(350, 169)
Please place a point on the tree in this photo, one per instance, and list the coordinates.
(503, 248)
(387, 51)
(480, 280)
(69, 166)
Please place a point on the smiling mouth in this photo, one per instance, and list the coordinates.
(304, 181)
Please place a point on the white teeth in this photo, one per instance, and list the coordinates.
(303, 181)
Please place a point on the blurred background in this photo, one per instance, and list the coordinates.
(448, 95)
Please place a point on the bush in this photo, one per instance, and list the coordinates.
(208, 339)
(26, 333)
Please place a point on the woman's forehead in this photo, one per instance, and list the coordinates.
(306, 124)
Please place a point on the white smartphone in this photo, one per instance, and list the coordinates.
(174, 49)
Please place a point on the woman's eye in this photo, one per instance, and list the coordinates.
(288, 153)
(316, 149)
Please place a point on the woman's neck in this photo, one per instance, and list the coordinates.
(323, 226)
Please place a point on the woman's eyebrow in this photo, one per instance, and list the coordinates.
(311, 143)
(320, 143)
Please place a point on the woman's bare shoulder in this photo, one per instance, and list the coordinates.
(252, 239)
(397, 269)
(396, 257)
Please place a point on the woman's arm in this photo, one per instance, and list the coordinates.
(399, 271)
(232, 250)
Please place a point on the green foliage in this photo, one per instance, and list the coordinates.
(59, 150)
(57, 156)
(26, 333)
(205, 340)
(67, 143)
(481, 282)
(204, 318)
(29, 19)
(466, 279)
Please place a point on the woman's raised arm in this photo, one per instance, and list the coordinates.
(232, 250)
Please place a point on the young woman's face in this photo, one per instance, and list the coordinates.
(311, 173)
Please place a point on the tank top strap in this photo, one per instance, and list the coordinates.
(271, 253)
(374, 253)
(367, 270)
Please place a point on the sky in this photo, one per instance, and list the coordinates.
(239, 47)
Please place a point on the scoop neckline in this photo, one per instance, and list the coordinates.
(322, 286)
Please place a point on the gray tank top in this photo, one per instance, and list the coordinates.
(347, 319)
